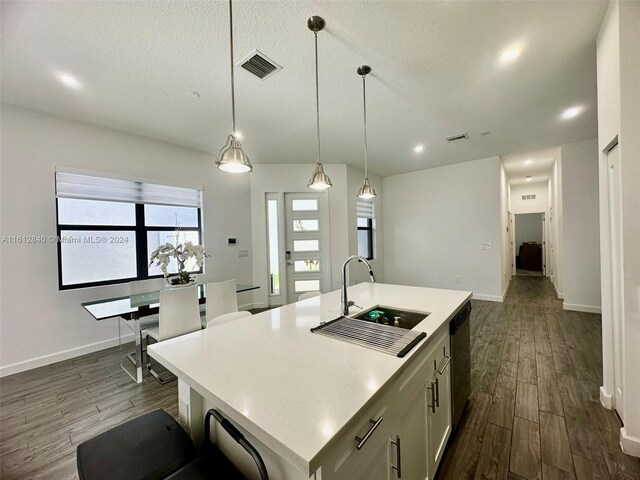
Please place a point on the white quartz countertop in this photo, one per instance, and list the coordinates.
(290, 388)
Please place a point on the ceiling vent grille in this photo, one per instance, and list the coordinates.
(457, 137)
(529, 197)
(259, 65)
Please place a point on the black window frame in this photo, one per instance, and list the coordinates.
(142, 253)
(369, 229)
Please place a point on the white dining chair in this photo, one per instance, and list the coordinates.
(305, 295)
(227, 317)
(140, 287)
(179, 315)
(221, 298)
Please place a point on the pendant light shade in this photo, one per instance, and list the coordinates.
(319, 180)
(232, 158)
(366, 192)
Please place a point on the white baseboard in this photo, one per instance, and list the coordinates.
(60, 356)
(629, 443)
(488, 298)
(581, 308)
(606, 399)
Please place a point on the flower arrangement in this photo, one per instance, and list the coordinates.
(182, 252)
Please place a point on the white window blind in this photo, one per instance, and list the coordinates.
(85, 187)
(364, 209)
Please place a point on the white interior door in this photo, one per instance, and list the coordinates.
(615, 237)
(544, 244)
(307, 244)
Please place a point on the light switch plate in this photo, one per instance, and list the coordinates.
(243, 253)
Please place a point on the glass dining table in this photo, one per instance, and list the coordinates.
(133, 309)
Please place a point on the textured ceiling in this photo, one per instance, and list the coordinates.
(435, 73)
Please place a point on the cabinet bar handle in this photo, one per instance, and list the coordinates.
(444, 367)
(433, 398)
(398, 466)
(362, 440)
(437, 393)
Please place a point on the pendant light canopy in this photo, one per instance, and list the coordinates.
(319, 180)
(366, 192)
(232, 158)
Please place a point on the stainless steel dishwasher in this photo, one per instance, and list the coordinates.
(460, 331)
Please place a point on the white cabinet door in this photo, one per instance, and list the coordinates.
(409, 439)
(439, 417)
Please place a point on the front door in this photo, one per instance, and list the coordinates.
(306, 244)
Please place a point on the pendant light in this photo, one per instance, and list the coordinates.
(232, 158)
(319, 180)
(366, 192)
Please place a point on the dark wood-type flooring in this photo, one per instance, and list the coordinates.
(534, 412)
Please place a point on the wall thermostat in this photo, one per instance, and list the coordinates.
(232, 241)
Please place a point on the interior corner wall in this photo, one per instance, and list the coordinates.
(555, 218)
(618, 72)
(581, 226)
(355, 177)
(41, 324)
(274, 178)
(436, 222)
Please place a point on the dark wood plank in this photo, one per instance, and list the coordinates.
(527, 401)
(527, 370)
(461, 457)
(553, 473)
(476, 414)
(554, 442)
(525, 449)
(502, 407)
(589, 470)
(545, 367)
(549, 399)
(494, 456)
(621, 466)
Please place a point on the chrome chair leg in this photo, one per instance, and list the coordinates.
(155, 374)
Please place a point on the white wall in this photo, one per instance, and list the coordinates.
(41, 324)
(539, 205)
(355, 178)
(435, 223)
(581, 226)
(528, 228)
(619, 117)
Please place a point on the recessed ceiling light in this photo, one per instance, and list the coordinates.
(528, 162)
(528, 178)
(572, 112)
(510, 54)
(69, 81)
(418, 149)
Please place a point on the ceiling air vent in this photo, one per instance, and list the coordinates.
(456, 137)
(529, 197)
(259, 64)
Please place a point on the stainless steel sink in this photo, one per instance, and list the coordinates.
(392, 316)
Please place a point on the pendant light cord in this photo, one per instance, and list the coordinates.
(364, 101)
(317, 97)
(233, 90)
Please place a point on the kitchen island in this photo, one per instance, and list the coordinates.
(302, 399)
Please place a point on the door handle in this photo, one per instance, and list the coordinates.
(398, 466)
(362, 440)
(433, 397)
(446, 363)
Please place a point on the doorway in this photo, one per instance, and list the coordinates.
(529, 244)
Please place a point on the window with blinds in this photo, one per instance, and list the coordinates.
(108, 227)
(366, 231)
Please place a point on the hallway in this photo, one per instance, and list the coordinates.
(534, 412)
